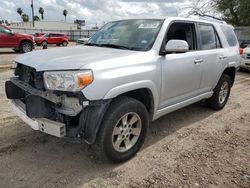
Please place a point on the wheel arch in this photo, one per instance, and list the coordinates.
(141, 90)
(231, 72)
(25, 40)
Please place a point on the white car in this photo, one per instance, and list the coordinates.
(245, 59)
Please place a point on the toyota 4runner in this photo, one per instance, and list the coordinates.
(130, 72)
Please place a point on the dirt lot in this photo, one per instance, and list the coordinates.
(192, 147)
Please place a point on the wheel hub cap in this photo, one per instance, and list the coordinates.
(223, 92)
(126, 132)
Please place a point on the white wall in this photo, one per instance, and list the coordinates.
(46, 25)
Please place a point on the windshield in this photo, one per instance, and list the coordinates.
(46, 35)
(127, 34)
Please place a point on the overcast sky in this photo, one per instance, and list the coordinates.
(93, 11)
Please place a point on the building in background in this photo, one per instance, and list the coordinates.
(46, 25)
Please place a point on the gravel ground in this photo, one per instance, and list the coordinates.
(192, 147)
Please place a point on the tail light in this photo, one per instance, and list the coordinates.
(241, 51)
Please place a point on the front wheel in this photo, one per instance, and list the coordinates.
(25, 47)
(123, 130)
(221, 93)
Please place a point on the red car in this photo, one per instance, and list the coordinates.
(52, 38)
(19, 42)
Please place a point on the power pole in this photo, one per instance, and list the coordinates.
(32, 8)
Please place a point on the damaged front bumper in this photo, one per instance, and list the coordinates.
(42, 124)
(57, 114)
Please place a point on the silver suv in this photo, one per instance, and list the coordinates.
(130, 72)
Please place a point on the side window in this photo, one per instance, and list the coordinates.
(183, 31)
(230, 35)
(4, 30)
(209, 38)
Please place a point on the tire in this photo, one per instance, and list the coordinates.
(221, 93)
(64, 43)
(112, 136)
(44, 43)
(26, 47)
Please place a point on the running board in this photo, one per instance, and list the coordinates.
(182, 104)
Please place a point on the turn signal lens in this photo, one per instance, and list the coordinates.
(84, 79)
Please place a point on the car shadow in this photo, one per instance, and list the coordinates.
(9, 52)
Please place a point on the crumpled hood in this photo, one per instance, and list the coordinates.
(69, 58)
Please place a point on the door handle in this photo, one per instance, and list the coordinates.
(222, 57)
(198, 61)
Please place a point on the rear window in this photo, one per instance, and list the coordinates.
(230, 35)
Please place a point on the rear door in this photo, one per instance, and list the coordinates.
(212, 55)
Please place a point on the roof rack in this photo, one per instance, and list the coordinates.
(211, 18)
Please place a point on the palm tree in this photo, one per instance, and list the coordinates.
(65, 12)
(19, 11)
(41, 11)
(36, 18)
(25, 17)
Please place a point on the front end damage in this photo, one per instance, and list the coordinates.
(61, 114)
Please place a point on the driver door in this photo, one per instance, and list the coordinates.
(181, 72)
(7, 39)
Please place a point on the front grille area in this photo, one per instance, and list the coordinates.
(30, 76)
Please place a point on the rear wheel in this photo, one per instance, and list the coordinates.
(123, 130)
(221, 93)
(44, 43)
(64, 43)
(26, 47)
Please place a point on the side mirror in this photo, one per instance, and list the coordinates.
(176, 46)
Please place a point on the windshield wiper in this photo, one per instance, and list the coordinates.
(115, 46)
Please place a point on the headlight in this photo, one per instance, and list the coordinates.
(67, 80)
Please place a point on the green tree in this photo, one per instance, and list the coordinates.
(236, 12)
(41, 11)
(19, 11)
(36, 18)
(65, 12)
(25, 17)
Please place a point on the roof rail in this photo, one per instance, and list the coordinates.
(211, 18)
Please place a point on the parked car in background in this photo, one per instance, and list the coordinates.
(17, 41)
(39, 34)
(82, 41)
(244, 43)
(245, 59)
(52, 38)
